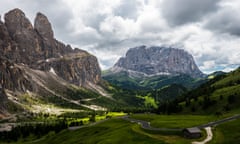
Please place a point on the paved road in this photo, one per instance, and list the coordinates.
(208, 138)
(146, 125)
(219, 121)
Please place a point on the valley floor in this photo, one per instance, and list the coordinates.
(124, 130)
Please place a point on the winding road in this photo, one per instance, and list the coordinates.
(215, 123)
(208, 138)
(207, 127)
(146, 125)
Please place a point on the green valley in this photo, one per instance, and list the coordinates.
(145, 72)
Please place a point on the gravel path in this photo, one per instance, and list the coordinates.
(208, 138)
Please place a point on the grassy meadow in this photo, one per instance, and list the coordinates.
(175, 121)
(227, 133)
(113, 131)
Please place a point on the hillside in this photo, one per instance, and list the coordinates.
(170, 92)
(169, 71)
(219, 95)
(156, 68)
(39, 74)
(123, 80)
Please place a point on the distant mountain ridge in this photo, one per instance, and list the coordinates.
(152, 61)
(154, 67)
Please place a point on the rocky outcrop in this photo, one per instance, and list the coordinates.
(12, 77)
(33, 62)
(36, 47)
(43, 26)
(77, 68)
(27, 47)
(154, 61)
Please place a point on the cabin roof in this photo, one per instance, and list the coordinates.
(193, 130)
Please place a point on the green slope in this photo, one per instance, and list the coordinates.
(170, 92)
(220, 95)
(123, 80)
(227, 133)
(161, 88)
(114, 131)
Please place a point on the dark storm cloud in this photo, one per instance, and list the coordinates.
(178, 12)
(225, 21)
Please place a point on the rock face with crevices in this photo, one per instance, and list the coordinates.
(37, 48)
(27, 50)
(152, 61)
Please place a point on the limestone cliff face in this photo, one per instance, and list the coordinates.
(33, 62)
(36, 48)
(158, 61)
(43, 26)
(27, 43)
(12, 78)
(77, 68)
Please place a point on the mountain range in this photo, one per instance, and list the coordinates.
(154, 67)
(152, 61)
(41, 74)
(52, 93)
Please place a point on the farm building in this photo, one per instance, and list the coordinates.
(193, 132)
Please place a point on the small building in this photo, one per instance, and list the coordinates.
(193, 132)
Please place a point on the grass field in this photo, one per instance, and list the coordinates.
(175, 121)
(118, 131)
(86, 120)
(113, 131)
(227, 133)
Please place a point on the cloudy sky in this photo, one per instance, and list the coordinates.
(208, 29)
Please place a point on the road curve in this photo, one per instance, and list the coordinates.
(219, 121)
(146, 125)
(207, 127)
(208, 138)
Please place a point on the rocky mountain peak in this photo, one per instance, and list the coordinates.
(151, 61)
(37, 49)
(16, 22)
(43, 26)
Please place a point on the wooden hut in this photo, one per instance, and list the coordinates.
(193, 132)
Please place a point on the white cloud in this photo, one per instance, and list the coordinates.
(209, 30)
(150, 20)
(117, 27)
(229, 68)
(208, 65)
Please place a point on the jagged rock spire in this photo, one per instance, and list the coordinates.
(16, 22)
(43, 26)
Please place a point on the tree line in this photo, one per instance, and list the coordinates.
(36, 129)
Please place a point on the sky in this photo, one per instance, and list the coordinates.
(207, 29)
